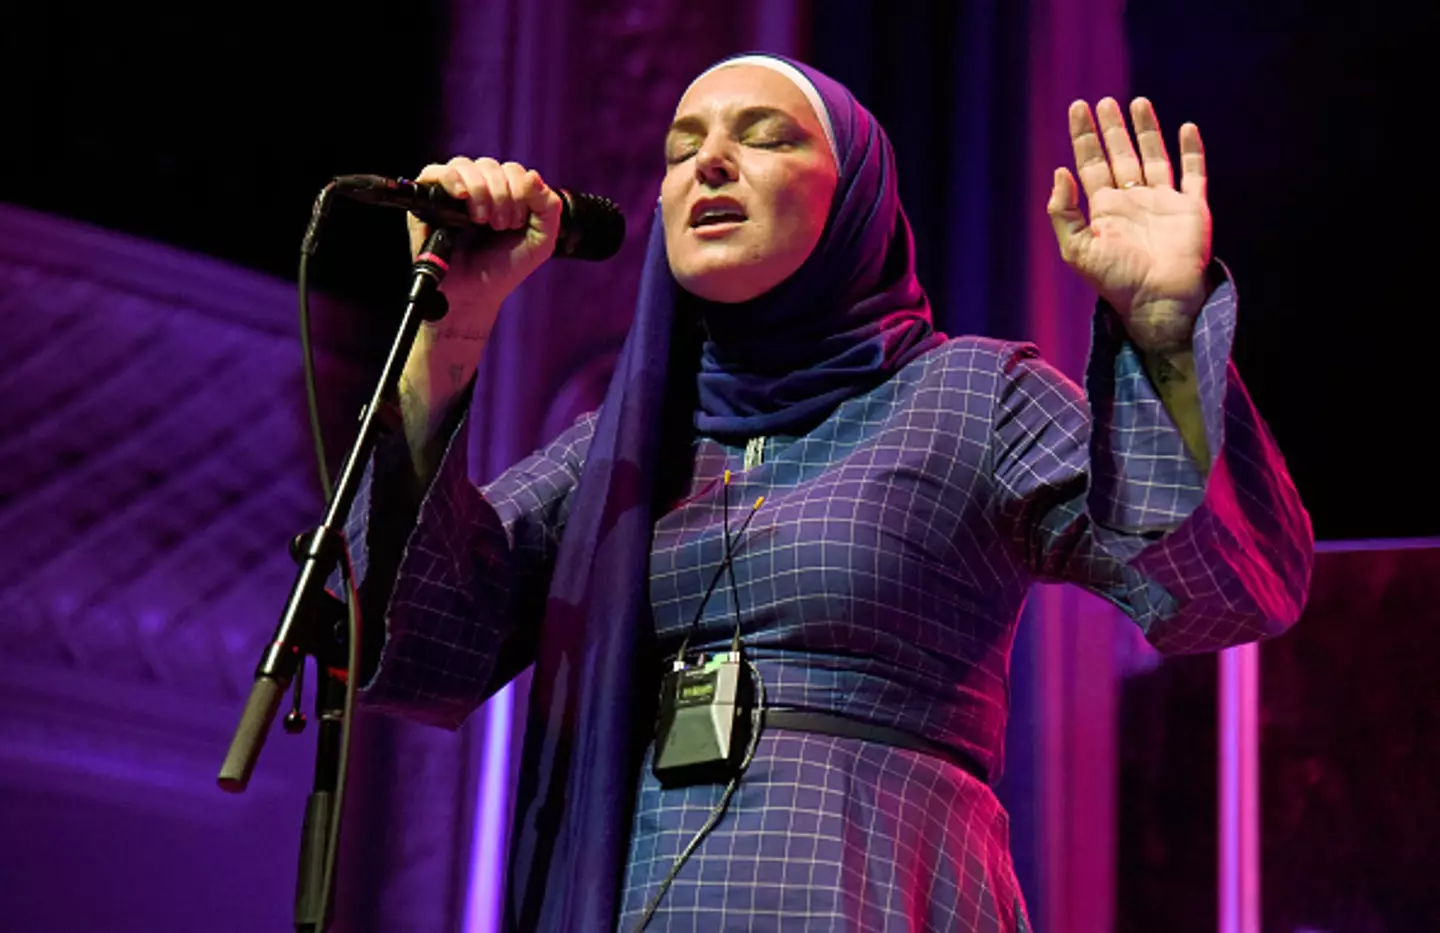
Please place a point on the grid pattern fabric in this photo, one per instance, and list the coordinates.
(828, 834)
(882, 579)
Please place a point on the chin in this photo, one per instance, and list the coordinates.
(726, 283)
(721, 291)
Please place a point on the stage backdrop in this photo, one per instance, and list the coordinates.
(155, 459)
(155, 465)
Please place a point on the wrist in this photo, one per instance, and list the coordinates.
(1173, 376)
(1167, 325)
(1169, 368)
(436, 378)
(469, 303)
(1163, 326)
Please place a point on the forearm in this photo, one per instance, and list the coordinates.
(1187, 490)
(437, 589)
(1173, 376)
(442, 362)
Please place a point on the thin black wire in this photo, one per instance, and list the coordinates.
(757, 716)
(730, 563)
(714, 581)
(719, 571)
(352, 670)
(307, 352)
(352, 607)
(757, 719)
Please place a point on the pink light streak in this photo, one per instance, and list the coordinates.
(485, 897)
(1239, 806)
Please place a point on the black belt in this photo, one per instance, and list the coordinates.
(800, 720)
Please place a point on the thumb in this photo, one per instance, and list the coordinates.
(1065, 214)
(545, 207)
(418, 230)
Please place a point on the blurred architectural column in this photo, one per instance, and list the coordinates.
(1076, 50)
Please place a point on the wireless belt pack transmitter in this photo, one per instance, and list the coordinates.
(704, 726)
(703, 732)
(706, 732)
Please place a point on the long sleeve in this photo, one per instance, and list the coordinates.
(1099, 490)
(461, 584)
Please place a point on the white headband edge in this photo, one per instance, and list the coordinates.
(797, 77)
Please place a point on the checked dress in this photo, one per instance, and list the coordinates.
(882, 579)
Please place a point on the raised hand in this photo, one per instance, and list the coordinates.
(1146, 246)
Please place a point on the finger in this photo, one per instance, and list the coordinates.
(1124, 165)
(472, 186)
(448, 176)
(433, 174)
(516, 183)
(450, 181)
(1065, 214)
(1154, 158)
(1192, 161)
(502, 203)
(417, 230)
(542, 204)
(1090, 159)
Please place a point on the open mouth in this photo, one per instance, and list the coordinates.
(716, 212)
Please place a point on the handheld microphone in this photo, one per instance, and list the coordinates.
(591, 227)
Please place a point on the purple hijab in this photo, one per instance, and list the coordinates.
(852, 316)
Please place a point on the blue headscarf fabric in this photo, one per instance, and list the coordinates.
(849, 318)
(852, 315)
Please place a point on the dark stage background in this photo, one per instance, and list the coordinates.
(163, 160)
(214, 136)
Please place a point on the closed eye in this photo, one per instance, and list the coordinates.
(756, 127)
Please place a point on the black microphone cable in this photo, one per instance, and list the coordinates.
(308, 245)
(757, 715)
(592, 228)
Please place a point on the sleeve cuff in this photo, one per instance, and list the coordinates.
(1144, 481)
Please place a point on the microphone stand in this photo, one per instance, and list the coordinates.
(310, 622)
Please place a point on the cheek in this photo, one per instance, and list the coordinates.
(666, 223)
(672, 202)
(674, 241)
(803, 203)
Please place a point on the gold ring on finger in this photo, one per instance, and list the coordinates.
(1129, 184)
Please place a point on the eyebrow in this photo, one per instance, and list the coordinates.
(745, 117)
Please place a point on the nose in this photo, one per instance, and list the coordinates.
(715, 162)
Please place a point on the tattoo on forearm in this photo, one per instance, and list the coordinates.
(1165, 373)
(1175, 382)
(453, 332)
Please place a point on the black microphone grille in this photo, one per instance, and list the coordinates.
(592, 227)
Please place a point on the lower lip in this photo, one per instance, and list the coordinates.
(715, 231)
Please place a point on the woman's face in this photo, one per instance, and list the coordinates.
(748, 184)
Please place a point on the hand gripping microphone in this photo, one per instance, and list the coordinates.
(591, 227)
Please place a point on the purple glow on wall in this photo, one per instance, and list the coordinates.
(1075, 49)
(155, 464)
(486, 894)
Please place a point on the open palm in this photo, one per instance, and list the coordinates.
(1146, 245)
